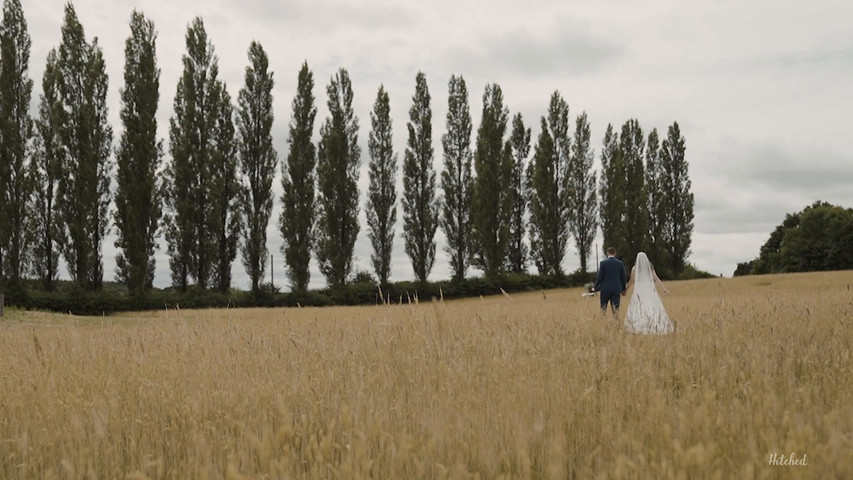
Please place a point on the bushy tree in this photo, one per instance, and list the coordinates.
(769, 258)
(338, 161)
(86, 137)
(382, 194)
(16, 129)
(298, 176)
(420, 207)
(548, 173)
(821, 241)
(456, 180)
(258, 161)
(519, 145)
(138, 189)
(582, 191)
(816, 239)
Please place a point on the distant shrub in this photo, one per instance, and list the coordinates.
(362, 291)
(691, 273)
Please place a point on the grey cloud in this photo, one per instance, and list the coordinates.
(813, 58)
(744, 187)
(567, 50)
(325, 17)
(728, 215)
(720, 253)
(750, 188)
(811, 172)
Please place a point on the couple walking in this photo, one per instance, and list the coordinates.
(645, 310)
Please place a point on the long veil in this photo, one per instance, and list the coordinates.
(644, 280)
(646, 313)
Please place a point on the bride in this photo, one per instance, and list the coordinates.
(645, 310)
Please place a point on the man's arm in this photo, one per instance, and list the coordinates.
(598, 278)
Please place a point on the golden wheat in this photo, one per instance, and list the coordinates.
(513, 386)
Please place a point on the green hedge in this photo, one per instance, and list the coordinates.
(115, 298)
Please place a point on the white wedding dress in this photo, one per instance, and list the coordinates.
(646, 314)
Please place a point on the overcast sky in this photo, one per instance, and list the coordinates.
(760, 89)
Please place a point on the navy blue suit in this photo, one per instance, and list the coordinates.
(611, 282)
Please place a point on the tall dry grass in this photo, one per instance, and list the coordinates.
(530, 386)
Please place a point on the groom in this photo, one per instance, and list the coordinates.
(611, 280)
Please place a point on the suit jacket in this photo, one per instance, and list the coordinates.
(611, 276)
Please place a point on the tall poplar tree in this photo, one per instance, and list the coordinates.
(193, 131)
(298, 176)
(635, 215)
(456, 180)
(84, 187)
(583, 196)
(519, 145)
(420, 207)
(226, 191)
(45, 231)
(548, 173)
(338, 162)
(611, 190)
(382, 194)
(138, 189)
(655, 205)
(258, 161)
(16, 129)
(677, 200)
(491, 208)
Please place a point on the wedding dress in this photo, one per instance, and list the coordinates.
(645, 311)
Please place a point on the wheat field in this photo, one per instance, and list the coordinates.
(534, 385)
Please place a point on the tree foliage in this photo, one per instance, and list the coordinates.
(519, 146)
(420, 207)
(635, 223)
(16, 129)
(298, 175)
(226, 221)
(45, 232)
(382, 191)
(491, 208)
(86, 138)
(821, 241)
(258, 161)
(677, 200)
(769, 258)
(816, 239)
(338, 161)
(456, 180)
(611, 190)
(582, 191)
(549, 176)
(138, 190)
(656, 206)
(201, 156)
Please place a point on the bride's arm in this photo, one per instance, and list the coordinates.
(658, 281)
(631, 280)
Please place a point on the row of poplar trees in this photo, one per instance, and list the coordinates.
(499, 211)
